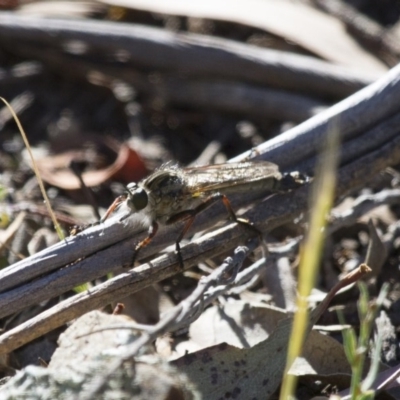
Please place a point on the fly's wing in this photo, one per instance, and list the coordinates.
(232, 177)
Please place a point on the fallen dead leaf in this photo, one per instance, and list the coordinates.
(297, 22)
(127, 167)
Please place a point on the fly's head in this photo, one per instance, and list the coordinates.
(137, 198)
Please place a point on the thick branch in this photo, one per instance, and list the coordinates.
(211, 94)
(352, 117)
(109, 246)
(268, 214)
(183, 54)
(295, 147)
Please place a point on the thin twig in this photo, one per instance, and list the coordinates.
(110, 249)
(178, 316)
(281, 208)
(297, 146)
(362, 205)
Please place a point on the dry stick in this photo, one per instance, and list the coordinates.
(350, 278)
(376, 96)
(233, 97)
(283, 208)
(250, 277)
(361, 144)
(361, 206)
(236, 282)
(210, 94)
(357, 114)
(170, 320)
(354, 115)
(183, 313)
(102, 262)
(120, 287)
(20, 273)
(305, 135)
(204, 93)
(108, 234)
(105, 261)
(190, 308)
(188, 54)
(233, 285)
(193, 305)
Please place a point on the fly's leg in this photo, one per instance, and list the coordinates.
(76, 229)
(190, 215)
(113, 206)
(233, 217)
(143, 243)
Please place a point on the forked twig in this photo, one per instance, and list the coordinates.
(183, 313)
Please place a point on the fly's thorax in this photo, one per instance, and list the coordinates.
(166, 183)
(165, 180)
(168, 194)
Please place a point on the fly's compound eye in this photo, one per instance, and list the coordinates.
(138, 198)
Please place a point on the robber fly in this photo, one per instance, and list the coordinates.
(173, 194)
